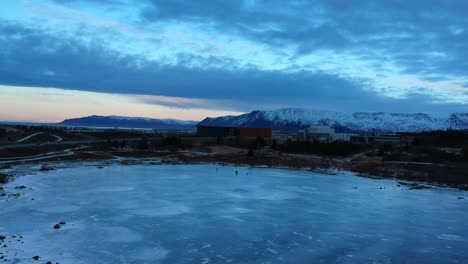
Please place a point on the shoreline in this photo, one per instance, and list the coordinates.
(9, 172)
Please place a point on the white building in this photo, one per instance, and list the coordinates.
(325, 133)
(321, 133)
(320, 130)
(341, 137)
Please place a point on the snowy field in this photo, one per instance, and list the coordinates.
(214, 214)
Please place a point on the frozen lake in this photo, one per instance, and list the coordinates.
(211, 214)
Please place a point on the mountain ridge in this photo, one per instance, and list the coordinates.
(299, 118)
(129, 122)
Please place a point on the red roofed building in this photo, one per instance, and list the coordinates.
(255, 132)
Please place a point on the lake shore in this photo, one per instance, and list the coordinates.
(434, 174)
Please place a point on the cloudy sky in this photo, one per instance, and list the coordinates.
(191, 59)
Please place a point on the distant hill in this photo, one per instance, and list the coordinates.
(297, 118)
(129, 122)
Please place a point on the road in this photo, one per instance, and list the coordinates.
(360, 154)
(28, 137)
(412, 162)
(72, 142)
(306, 156)
(341, 160)
(55, 154)
(350, 159)
(59, 139)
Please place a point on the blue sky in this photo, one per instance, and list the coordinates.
(190, 59)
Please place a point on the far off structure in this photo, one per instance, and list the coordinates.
(321, 133)
(310, 133)
(314, 133)
(328, 134)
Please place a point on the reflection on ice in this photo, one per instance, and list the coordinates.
(162, 209)
(450, 237)
(151, 255)
(58, 209)
(120, 234)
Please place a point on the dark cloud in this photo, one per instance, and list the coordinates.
(409, 33)
(35, 58)
(428, 38)
(180, 9)
(114, 2)
(45, 60)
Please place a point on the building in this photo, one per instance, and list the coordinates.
(284, 135)
(255, 132)
(213, 131)
(321, 133)
(341, 137)
(377, 139)
(216, 131)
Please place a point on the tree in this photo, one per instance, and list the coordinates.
(260, 142)
(143, 145)
(172, 140)
(250, 153)
(274, 144)
(464, 151)
(406, 146)
(385, 148)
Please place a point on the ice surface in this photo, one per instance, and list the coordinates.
(211, 214)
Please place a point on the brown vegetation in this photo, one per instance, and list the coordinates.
(439, 157)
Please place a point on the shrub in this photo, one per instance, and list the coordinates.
(250, 153)
(336, 148)
(464, 151)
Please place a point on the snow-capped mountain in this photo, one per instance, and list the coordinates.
(297, 118)
(130, 122)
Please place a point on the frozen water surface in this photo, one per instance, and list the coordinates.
(210, 214)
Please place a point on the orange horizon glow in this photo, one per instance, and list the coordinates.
(49, 105)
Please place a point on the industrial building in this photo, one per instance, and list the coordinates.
(217, 131)
(342, 137)
(376, 139)
(320, 133)
(312, 133)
